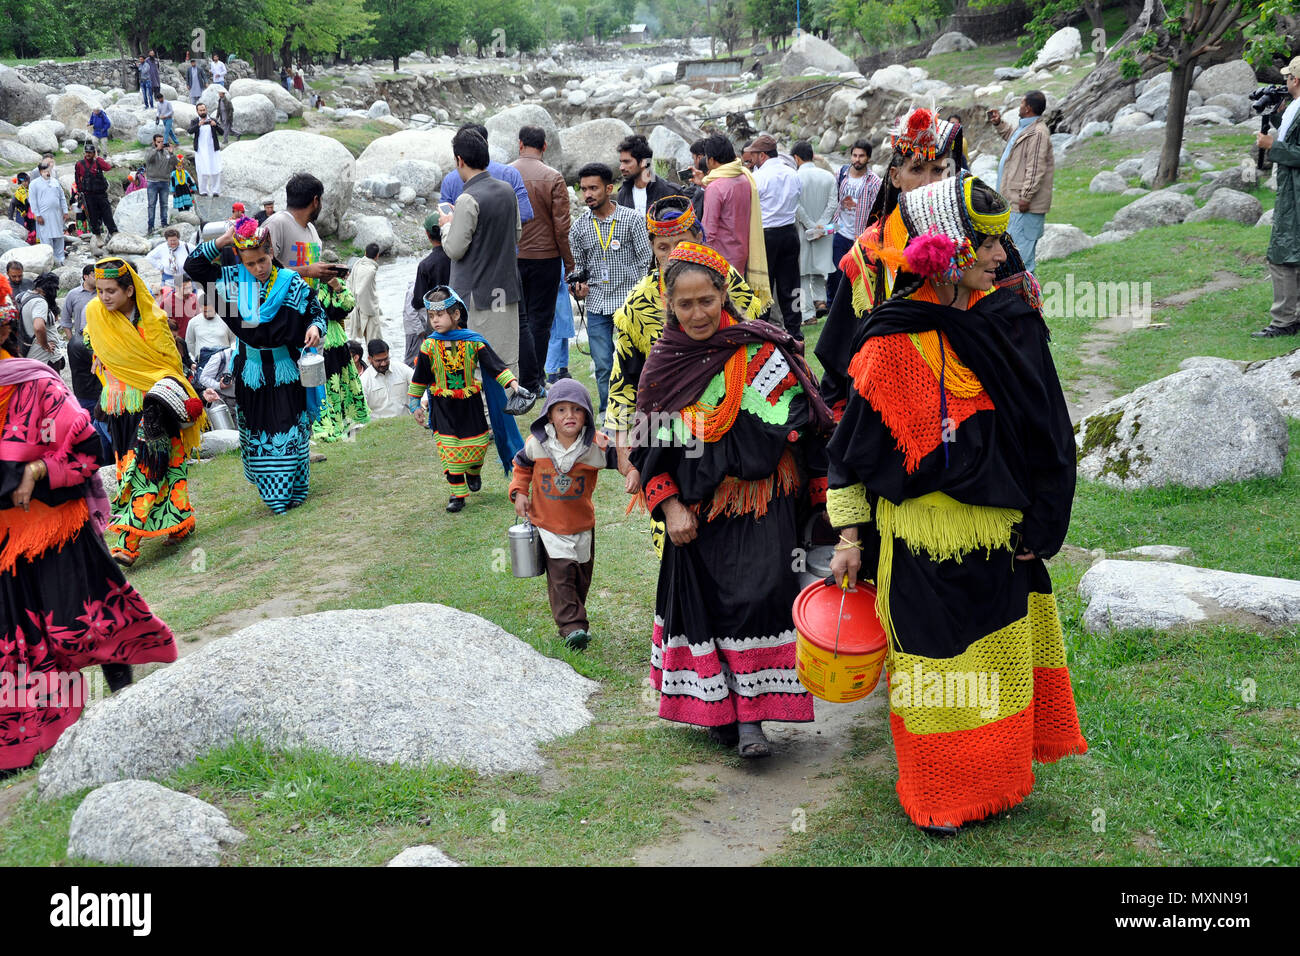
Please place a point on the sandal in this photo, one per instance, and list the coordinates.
(940, 829)
(728, 735)
(751, 743)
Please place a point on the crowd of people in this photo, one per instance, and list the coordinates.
(934, 451)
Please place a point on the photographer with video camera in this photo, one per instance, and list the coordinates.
(1284, 245)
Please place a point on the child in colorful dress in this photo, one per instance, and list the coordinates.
(445, 369)
(182, 185)
(555, 476)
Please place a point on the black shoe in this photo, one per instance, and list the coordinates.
(552, 378)
(939, 830)
(456, 504)
(1273, 332)
(117, 676)
(475, 482)
(563, 373)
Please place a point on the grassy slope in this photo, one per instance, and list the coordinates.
(1183, 769)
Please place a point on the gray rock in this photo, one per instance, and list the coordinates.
(422, 856)
(894, 78)
(9, 241)
(1063, 45)
(1161, 208)
(810, 51)
(577, 98)
(1060, 240)
(1163, 80)
(1211, 361)
(423, 178)
(1160, 595)
(145, 132)
(20, 101)
(16, 154)
(35, 259)
(421, 118)
(1237, 105)
(376, 229)
(1130, 167)
(1230, 205)
(132, 212)
(141, 823)
(1095, 128)
(1242, 178)
(126, 244)
(434, 685)
(1266, 220)
(429, 145)
(406, 195)
(219, 441)
(1235, 76)
(378, 108)
(1195, 428)
(1135, 191)
(1157, 552)
(254, 168)
(1279, 379)
(125, 122)
(1151, 165)
(503, 133)
(1009, 72)
(108, 478)
(277, 94)
(952, 42)
(1129, 121)
(1209, 116)
(379, 187)
(1107, 182)
(40, 136)
(254, 114)
(593, 141)
(670, 146)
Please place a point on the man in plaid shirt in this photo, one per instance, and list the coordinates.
(858, 188)
(611, 246)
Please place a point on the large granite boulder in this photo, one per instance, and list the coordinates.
(1160, 595)
(20, 101)
(1062, 46)
(72, 108)
(14, 153)
(1279, 379)
(1235, 76)
(41, 136)
(1060, 240)
(1243, 178)
(284, 100)
(593, 141)
(1107, 181)
(1161, 208)
(951, 42)
(260, 167)
(503, 133)
(141, 823)
(1230, 205)
(1197, 428)
(35, 259)
(411, 683)
(422, 177)
(811, 51)
(422, 856)
(376, 229)
(429, 145)
(253, 115)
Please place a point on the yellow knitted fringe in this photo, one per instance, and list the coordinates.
(944, 528)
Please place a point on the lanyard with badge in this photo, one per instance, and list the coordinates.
(606, 244)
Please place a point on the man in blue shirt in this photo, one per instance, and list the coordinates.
(453, 185)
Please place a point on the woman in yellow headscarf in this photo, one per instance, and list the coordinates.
(153, 413)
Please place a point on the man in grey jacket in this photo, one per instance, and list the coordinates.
(158, 166)
(480, 237)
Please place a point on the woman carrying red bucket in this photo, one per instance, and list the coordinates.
(951, 479)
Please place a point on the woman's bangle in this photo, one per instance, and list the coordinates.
(39, 470)
(848, 545)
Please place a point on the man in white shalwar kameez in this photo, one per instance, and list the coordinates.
(49, 208)
(207, 152)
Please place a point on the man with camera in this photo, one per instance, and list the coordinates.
(1284, 245)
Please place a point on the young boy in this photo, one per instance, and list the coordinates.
(444, 368)
(555, 475)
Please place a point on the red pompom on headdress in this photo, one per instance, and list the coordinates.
(930, 254)
(248, 233)
(917, 124)
(193, 408)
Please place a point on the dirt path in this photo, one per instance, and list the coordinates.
(758, 801)
(1091, 390)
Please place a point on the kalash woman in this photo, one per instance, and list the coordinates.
(275, 315)
(953, 470)
(732, 409)
(135, 355)
(925, 150)
(64, 604)
(344, 407)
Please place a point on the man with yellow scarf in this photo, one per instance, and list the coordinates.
(153, 413)
(733, 221)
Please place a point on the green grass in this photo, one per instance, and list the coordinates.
(357, 139)
(969, 66)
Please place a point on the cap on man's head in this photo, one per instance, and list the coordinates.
(90, 147)
(268, 201)
(762, 144)
(1292, 69)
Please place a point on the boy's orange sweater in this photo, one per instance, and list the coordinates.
(561, 504)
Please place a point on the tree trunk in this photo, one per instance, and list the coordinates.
(395, 58)
(286, 50)
(1179, 85)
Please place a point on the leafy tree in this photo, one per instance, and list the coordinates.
(772, 18)
(399, 25)
(570, 23)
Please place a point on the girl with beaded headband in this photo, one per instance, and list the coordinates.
(275, 315)
(728, 426)
(925, 149)
(134, 350)
(951, 479)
